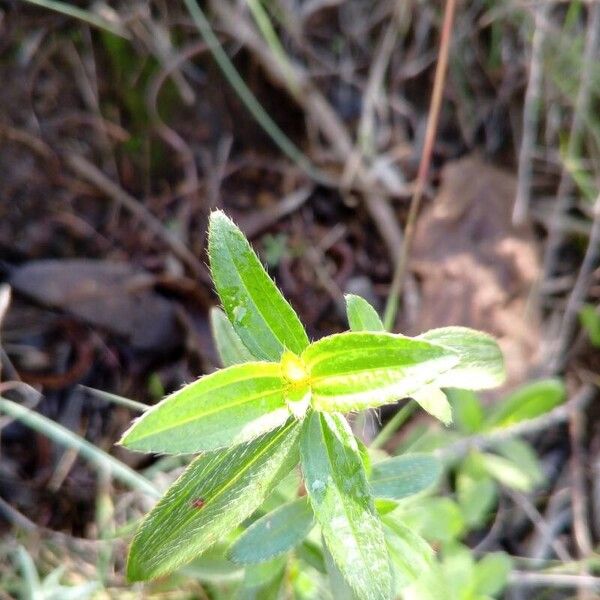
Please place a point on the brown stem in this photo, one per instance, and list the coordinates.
(434, 112)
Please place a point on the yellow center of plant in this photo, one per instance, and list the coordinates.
(292, 368)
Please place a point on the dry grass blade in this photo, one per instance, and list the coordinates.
(531, 112)
(391, 308)
(94, 455)
(93, 175)
(66, 8)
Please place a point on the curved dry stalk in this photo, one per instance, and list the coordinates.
(531, 112)
(391, 308)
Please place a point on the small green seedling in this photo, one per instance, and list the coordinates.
(280, 400)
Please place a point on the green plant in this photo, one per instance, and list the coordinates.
(279, 401)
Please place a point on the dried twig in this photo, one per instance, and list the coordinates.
(434, 112)
(531, 111)
(93, 175)
(553, 580)
(546, 530)
(169, 135)
(579, 499)
(577, 296)
(581, 526)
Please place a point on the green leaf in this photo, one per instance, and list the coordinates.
(412, 557)
(405, 475)
(338, 585)
(213, 496)
(274, 534)
(263, 582)
(228, 407)
(261, 316)
(312, 555)
(436, 519)
(506, 472)
(466, 409)
(341, 499)
(476, 492)
(213, 567)
(491, 573)
(353, 371)
(522, 455)
(528, 402)
(481, 363)
(383, 506)
(229, 346)
(361, 315)
(590, 321)
(458, 570)
(432, 399)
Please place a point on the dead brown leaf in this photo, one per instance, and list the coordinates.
(114, 296)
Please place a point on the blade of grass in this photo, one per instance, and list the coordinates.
(246, 96)
(94, 455)
(66, 8)
(262, 19)
(115, 399)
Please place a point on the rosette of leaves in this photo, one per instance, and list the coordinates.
(280, 401)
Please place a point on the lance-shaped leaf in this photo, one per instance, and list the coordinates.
(213, 496)
(412, 557)
(341, 499)
(229, 345)
(227, 407)
(432, 399)
(481, 364)
(259, 313)
(361, 315)
(405, 475)
(353, 371)
(528, 402)
(274, 534)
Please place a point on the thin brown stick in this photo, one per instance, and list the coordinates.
(93, 175)
(579, 499)
(169, 135)
(553, 580)
(531, 111)
(540, 523)
(391, 308)
(581, 526)
(577, 297)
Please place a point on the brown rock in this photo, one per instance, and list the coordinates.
(476, 269)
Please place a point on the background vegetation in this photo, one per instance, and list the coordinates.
(123, 124)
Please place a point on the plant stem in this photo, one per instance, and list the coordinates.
(391, 308)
